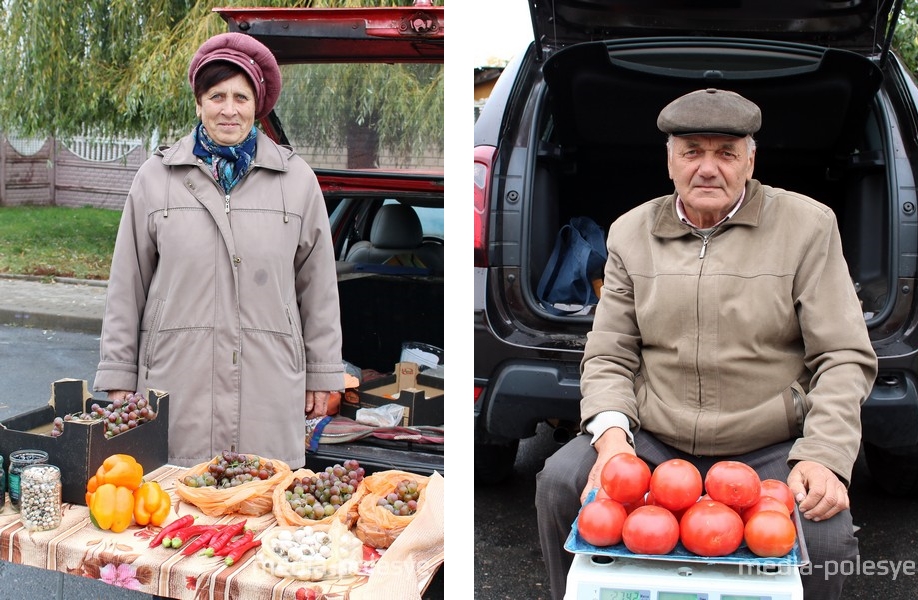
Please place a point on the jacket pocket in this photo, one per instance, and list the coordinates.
(296, 337)
(150, 330)
(796, 406)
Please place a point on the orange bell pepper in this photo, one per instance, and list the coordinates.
(151, 504)
(118, 469)
(111, 507)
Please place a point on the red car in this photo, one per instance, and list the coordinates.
(362, 102)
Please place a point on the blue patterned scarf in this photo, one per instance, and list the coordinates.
(228, 164)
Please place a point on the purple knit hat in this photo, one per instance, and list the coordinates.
(252, 57)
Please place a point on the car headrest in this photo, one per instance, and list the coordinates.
(396, 226)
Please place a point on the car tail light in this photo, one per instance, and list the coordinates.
(484, 160)
(478, 390)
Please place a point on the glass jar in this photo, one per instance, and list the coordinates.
(2, 484)
(19, 460)
(40, 502)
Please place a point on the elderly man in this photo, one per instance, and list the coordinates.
(728, 328)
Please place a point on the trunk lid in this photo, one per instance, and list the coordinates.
(857, 25)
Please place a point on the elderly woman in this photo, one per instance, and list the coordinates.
(223, 288)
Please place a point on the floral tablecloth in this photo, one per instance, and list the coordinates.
(125, 559)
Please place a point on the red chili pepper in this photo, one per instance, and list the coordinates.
(186, 533)
(247, 536)
(173, 526)
(228, 533)
(202, 540)
(237, 553)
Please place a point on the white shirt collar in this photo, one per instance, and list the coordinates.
(680, 211)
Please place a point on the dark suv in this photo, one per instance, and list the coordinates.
(570, 130)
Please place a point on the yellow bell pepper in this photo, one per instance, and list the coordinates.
(151, 504)
(111, 507)
(118, 469)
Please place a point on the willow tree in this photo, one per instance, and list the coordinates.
(119, 68)
(905, 40)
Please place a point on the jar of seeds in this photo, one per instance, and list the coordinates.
(40, 504)
(19, 460)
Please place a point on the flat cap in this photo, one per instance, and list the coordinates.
(252, 57)
(710, 111)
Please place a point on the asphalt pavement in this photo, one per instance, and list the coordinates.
(64, 304)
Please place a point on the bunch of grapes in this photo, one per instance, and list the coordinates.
(403, 501)
(119, 416)
(320, 495)
(231, 469)
(57, 426)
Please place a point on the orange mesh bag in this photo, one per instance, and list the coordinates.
(285, 514)
(376, 525)
(253, 498)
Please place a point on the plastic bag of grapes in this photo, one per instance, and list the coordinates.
(233, 483)
(392, 499)
(308, 498)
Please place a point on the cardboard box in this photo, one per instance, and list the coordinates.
(81, 448)
(421, 395)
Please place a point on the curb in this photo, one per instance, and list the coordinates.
(92, 282)
(37, 318)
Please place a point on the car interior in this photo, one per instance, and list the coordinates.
(390, 274)
(600, 152)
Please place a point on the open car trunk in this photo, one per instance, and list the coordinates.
(601, 154)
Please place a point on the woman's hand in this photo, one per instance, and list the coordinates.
(316, 404)
(119, 394)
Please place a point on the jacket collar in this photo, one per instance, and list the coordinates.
(668, 224)
(268, 155)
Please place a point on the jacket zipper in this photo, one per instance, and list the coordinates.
(226, 199)
(705, 238)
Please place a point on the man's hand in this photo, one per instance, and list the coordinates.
(819, 492)
(316, 404)
(610, 443)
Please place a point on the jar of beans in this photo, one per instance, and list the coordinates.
(19, 460)
(40, 504)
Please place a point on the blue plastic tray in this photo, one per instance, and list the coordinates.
(743, 556)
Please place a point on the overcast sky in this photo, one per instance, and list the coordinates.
(502, 28)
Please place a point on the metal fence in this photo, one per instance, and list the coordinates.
(79, 171)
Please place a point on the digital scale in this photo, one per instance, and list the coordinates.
(614, 573)
(601, 577)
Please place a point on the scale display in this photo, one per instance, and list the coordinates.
(610, 594)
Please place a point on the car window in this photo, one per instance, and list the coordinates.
(364, 116)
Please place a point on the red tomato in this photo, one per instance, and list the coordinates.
(630, 506)
(778, 489)
(650, 530)
(625, 477)
(711, 528)
(600, 522)
(733, 483)
(770, 533)
(764, 503)
(675, 484)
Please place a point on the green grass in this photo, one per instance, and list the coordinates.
(53, 241)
